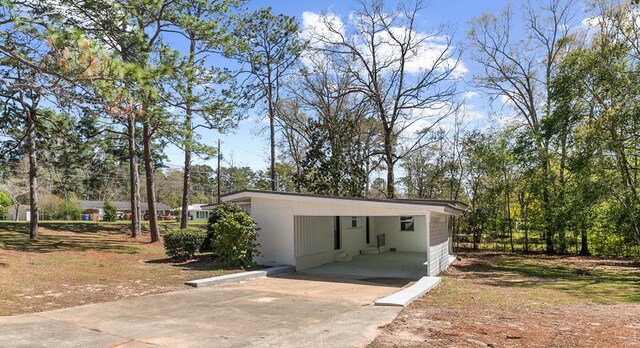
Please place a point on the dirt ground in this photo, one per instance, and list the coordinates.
(80, 263)
(494, 300)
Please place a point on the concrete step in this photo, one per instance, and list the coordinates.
(374, 250)
(343, 256)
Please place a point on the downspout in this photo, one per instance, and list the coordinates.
(428, 227)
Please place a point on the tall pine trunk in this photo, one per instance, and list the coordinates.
(33, 172)
(188, 141)
(186, 185)
(134, 177)
(151, 192)
(272, 144)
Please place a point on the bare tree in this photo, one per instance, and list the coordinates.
(520, 70)
(292, 123)
(407, 76)
(16, 186)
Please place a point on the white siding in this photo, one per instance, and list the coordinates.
(409, 241)
(313, 241)
(439, 246)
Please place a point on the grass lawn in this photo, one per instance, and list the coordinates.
(77, 263)
(501, 300)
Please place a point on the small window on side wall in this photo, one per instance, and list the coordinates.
(406, 223)
(354, 222)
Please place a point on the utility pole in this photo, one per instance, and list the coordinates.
(218, 171)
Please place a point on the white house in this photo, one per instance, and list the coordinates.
(24, 212)
(307, 231)
(199, 211)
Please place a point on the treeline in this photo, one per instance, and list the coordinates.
(369, 105)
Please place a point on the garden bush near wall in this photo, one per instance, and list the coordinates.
(182, 245)
(218, 213)
(235, 239)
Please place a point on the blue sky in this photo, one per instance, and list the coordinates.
(245, 147)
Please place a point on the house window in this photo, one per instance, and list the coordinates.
(354, 222)
(406, 223)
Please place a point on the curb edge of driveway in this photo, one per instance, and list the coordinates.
(238, 277)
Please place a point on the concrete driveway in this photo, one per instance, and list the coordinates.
(290, 311)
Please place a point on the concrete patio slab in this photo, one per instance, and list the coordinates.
(386, 265)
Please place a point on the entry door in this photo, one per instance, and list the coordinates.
(368, 232)
(337, 245)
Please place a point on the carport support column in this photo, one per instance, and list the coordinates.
(428, 220)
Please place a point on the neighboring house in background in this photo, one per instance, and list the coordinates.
(94, 207)
(24, 212)
(307, 231)
(97, 207)
(198, 211)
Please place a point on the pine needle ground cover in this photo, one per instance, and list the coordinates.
(502, 300)
(80, 263)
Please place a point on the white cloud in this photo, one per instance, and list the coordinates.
(427, 55)
(469, 95)
(328, 26)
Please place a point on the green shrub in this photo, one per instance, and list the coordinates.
(218, 213)
(110, 212)
(235, 239)
(71, 208)
(182, 245)
(4, 213)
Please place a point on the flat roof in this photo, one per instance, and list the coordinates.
(452, 204)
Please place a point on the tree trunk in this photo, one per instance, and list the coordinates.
(186, 187)
(33, 174)
(134, 177)
(151, 192)
(388, 159)
(272, 144)
(17, 208)
(584, 249)
(188, 141)
(272, 128)
(547, 208)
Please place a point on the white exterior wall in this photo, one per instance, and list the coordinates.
(276, 232)
(409, 241)
(200, 214)
(353, 239)
(313, 241)
(336, 207)
(439, 246)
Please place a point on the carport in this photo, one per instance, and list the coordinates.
(393, 265)
(397, 238)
